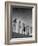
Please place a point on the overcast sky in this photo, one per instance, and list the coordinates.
(24, 14)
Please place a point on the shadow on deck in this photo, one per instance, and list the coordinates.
(17, 35)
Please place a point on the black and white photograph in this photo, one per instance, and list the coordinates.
(21, 22)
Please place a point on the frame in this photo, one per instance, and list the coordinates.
(8, 22)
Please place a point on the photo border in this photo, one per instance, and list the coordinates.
(8, 22)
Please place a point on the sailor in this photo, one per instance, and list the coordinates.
(19, 26)
(14, 25)
(23, 30)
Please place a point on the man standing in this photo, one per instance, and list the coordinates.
(23, 30)
(14, 25)
(19, 26)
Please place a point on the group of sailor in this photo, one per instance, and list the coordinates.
(21, 28)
